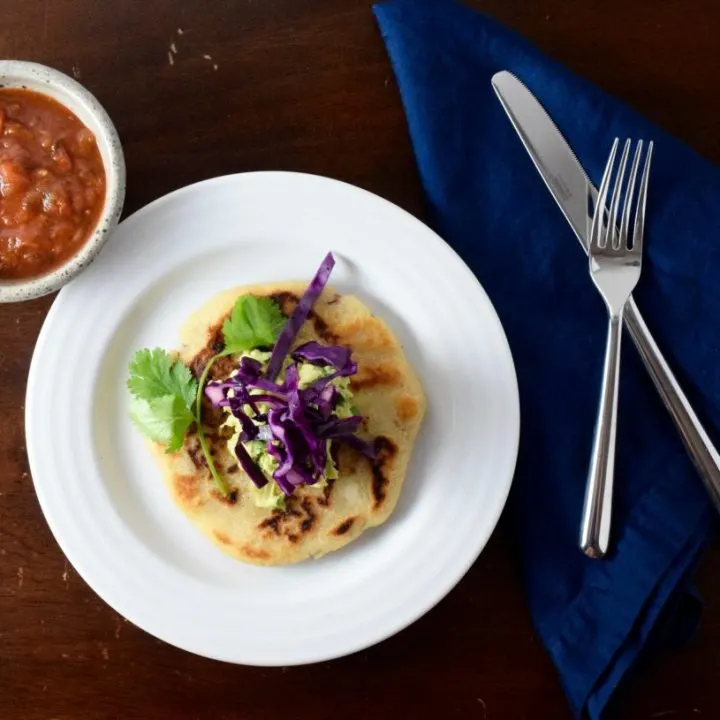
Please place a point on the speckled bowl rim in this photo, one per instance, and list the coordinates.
(15, 73)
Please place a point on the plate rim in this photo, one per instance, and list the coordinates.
(439, 593)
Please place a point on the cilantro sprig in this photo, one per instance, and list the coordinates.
(163, 391)
(153, 373)
(166, 398)
(253, 322)
(164, 419)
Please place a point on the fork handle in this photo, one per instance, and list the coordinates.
(697, 442)
(597, 511)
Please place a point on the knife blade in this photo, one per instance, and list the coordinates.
(572, 190)
(554, 159)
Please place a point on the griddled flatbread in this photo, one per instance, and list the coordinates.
(316, 521)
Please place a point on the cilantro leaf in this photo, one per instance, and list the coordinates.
(254, 322)
(163, 419)
(163, 394)
(185, 382)
(154, 374)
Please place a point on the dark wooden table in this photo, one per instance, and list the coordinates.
(306, 85)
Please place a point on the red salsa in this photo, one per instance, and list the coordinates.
(52, 184)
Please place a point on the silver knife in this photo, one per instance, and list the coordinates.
(575, 194)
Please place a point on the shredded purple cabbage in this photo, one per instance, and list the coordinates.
(216, 395)
(317, 354)
(299, 316)
(250, 466)
(296, 427)
(296, 424)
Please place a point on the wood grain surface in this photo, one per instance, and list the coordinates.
(306, 85)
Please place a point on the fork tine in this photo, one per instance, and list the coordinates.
(613, 240)
(642, 202)
(596, 231)
(625, 224)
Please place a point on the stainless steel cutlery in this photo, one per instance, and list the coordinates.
(615, 255)
(575, 194)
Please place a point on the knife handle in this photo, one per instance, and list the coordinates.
(697, 443)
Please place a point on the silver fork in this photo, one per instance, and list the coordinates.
(615, 266)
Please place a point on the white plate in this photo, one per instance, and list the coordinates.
(104, 498)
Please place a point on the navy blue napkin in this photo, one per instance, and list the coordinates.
(486, 199)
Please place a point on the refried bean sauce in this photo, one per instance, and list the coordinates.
(52, 184)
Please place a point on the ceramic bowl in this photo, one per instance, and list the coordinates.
(68, 92)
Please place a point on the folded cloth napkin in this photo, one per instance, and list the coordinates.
(486, 199)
